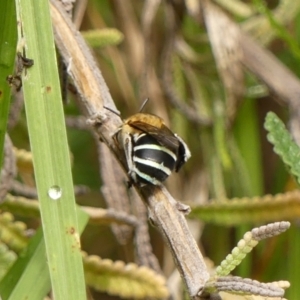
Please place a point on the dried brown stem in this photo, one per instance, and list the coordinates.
(101, 216)
(30, 207)
(248, 286)
(114, 189)
(168, 215)
(8, 171)
(167, 80)
(262, 63)
(281, 81)
(77, 123)
(227, 53)
(144, 251)
(162, 207)
(15, 109)
(79, 11)
(23, 190)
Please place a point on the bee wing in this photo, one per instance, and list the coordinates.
(162, 134)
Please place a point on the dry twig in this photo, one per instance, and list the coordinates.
(262, 63)
(167, 81)
(8, 171)
(164, 210)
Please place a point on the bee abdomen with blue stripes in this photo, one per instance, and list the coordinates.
(152, 150)
(153, 162)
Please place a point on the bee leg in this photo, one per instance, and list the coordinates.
(129, 183)
(97, 119)
(127, 142)
(116, 133)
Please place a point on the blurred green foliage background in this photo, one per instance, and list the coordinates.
(164, 52)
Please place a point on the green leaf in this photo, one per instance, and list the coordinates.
(249, 210)
(246, 131)
(7, 258)
(103, 37)
(8, 42)
(21, 280)
(12, 233)
(284, 144)
(126, 281)
(21, 206)
(50, 151)
(18, 283)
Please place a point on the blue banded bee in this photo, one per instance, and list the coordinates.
(152, 150)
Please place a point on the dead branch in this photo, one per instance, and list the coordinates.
(8, 171)
(166, 212)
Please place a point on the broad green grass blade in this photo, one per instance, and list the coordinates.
(49, 146)
(247, 136)
(20, 282)
(293, 264)
(33, 261)
(8, 42)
